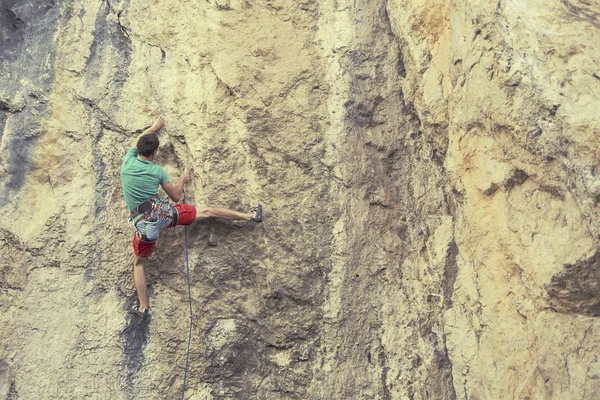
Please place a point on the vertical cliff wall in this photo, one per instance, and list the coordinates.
(428, 171)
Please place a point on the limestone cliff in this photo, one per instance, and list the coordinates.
(428, 170)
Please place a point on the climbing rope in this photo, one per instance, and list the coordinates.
(187, 272)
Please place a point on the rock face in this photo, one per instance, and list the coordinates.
(428, 169)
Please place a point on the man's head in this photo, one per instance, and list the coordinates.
(147, 144)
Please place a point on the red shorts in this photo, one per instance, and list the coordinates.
(187, 215)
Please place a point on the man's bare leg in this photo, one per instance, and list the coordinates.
(223, 213)
(139, 279)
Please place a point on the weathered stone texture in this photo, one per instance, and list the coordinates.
(428, 171)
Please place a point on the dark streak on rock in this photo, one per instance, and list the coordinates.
(444, 379)
(517, 178)
(134, 339)
(102, 185)
(109, 37)
(582, 14)
(400, 68)
(576, 290)
(12, 393)
(439, 382)
(111, 42)
(2, 125)
(450, 273)
(10, 35)
(382, 163)
(23, 22)
(400, 65)
(491, 190)
(3, 118)
(24, 25)
(386, 394)
(555, 191)
(385, 152)
(18, 150)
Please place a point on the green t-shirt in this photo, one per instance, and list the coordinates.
(140, 179)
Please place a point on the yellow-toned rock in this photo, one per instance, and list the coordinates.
(428, 172)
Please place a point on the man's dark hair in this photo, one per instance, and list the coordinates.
(147, 144)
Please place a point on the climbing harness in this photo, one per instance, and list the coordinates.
(157, 214)
(153, 209)
(187, 272)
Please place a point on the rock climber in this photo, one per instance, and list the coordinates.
(150, 214)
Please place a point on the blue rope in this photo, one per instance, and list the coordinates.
(187, 272)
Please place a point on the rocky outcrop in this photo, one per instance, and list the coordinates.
(427, 169)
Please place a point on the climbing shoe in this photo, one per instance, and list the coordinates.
(258, 216)
(136, 311)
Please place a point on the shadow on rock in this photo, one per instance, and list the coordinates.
(134, 339)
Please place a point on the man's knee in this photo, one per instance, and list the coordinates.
(205, 212)
(138, 261)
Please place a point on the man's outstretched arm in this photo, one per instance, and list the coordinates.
(175, 192)
(159, 123)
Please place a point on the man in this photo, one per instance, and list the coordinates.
(140, 178)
